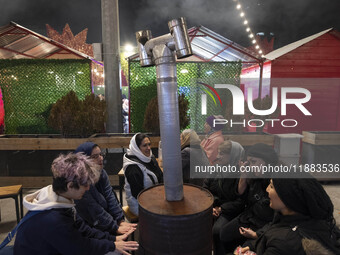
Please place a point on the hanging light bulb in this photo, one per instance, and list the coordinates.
(248, 29)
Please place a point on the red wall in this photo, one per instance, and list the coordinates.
(319, 58)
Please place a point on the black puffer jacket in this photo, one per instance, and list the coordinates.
(257, 212)
(224, 192)
(295, 234)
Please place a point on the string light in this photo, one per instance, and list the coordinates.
(248, 29)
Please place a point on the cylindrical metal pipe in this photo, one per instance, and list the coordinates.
(169, 121)
(142, 38)
(178, 29)
(182, 227)
(163, 39)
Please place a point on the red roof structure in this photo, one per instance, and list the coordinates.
(312, 63)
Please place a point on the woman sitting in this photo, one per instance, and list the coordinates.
(252, 187)
(99, 206)
(303, 222)
(192, 155)
(141, 169)
(227, 204)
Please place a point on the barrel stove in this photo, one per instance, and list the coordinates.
(178, 227)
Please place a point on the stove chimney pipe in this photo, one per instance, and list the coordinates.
(161, 52)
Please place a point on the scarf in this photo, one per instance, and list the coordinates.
(134, 150)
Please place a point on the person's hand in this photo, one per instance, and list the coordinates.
(125, 228)
(248, 233)
(123, 247)
(124, 236)
(124, 223)
(243, 166)
(217, 211)
(239, 250)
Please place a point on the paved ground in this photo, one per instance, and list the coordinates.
(8, 216)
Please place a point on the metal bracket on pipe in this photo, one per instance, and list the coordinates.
(177, 40)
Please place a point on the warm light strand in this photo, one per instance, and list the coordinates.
(248, 29)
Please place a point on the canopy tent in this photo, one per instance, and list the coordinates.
(40, 70)
(18, 42)
(210, 46)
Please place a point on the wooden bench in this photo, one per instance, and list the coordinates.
(14, 192)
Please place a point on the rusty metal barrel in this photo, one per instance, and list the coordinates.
(177, 227)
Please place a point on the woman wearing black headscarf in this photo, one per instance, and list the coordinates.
(303, 222)
(252, 188)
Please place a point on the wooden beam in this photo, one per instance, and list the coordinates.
(14, 143)
(321, 138)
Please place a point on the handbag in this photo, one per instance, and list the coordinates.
(13, 232)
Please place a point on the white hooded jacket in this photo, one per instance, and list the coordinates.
(46, 199)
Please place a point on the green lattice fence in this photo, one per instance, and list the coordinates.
(30, 86)
(189, 76)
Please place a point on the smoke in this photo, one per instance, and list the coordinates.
(289, 20)
(34, 14)
(217, 15)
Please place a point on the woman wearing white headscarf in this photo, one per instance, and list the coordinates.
(141, 169)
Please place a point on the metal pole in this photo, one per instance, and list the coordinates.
(169, 121)
(113, 97)
(161, 51)
(260, 82)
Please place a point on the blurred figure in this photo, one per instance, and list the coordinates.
(192, 154)
(125, 111)
(213, 137)
(57, 228)
(141, 169)
(99, 206)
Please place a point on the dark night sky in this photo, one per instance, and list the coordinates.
(289, 20)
